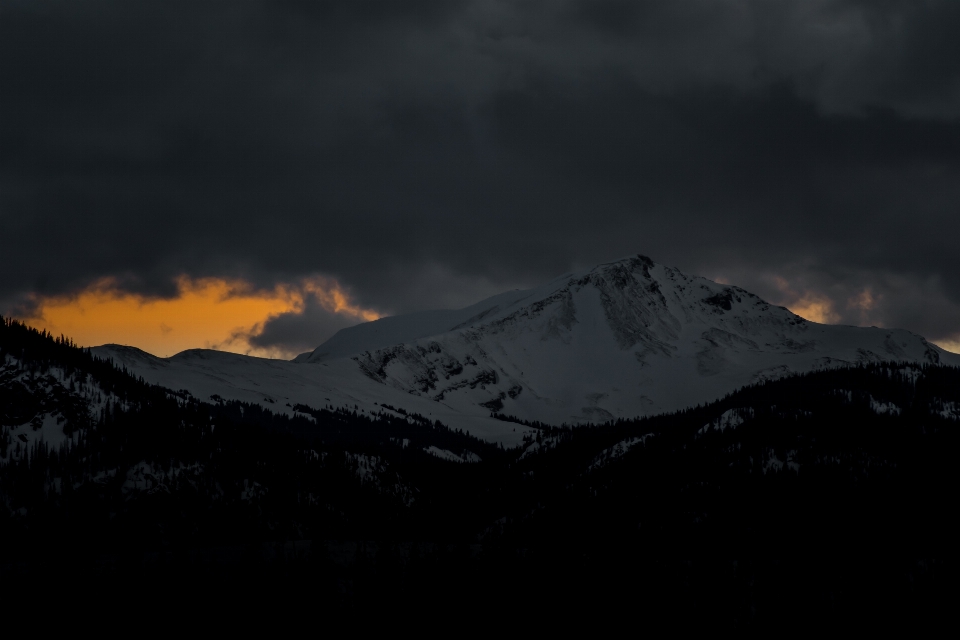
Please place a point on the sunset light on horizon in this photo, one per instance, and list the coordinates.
(222, 314)
(207, 313)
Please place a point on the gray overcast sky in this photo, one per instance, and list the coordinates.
(428, 153)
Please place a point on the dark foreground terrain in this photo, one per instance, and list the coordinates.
(814, 500)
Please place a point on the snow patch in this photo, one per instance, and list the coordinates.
(884, 408)
(252, 491)
(951, 411)
(772, 463)
(445, 454)
(730, 419)
(366, 467)
(617, 451)
(533, 447)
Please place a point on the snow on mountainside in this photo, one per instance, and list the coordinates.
(393, 330)
(622, 339)
(280, 385)
(49, 405)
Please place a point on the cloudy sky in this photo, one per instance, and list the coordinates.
(283, 169)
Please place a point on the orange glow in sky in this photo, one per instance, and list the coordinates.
(809, 305)
(815, 308)
(949, 345)
(209, 313)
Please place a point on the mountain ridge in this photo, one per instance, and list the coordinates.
(835, 481)
(618, 340)
(605, 326)
(392, 330)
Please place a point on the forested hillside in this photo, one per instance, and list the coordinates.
(827, 494)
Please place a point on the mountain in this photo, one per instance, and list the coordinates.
(393, 330)
(281, 386)
(87, 441)
(619, 340)
(815, 498)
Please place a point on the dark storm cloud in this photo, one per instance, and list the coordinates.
(298, 331)
(429, 153)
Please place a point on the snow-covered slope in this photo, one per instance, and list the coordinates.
(49, 405)
(393, 330)
(280, 385)
(621, 339)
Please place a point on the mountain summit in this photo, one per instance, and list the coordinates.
(621, 339)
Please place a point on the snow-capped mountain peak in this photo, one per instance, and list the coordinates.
(621, 339)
